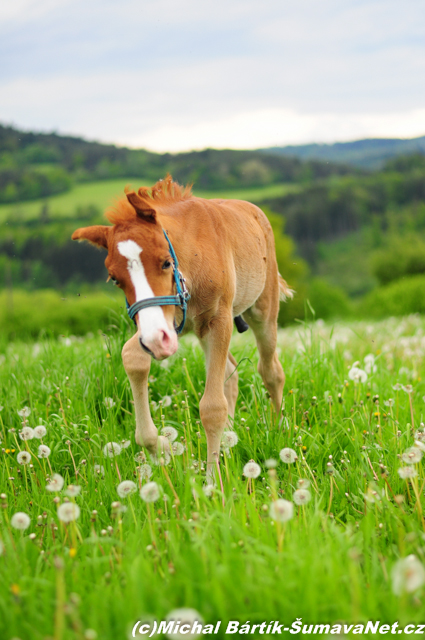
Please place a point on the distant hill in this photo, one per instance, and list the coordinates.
(38, 165)
(371, 153)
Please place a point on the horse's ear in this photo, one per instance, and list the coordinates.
(142, 208)
(97, 235)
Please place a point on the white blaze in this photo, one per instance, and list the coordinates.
(151, 319)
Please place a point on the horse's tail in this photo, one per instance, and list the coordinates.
(284, 291)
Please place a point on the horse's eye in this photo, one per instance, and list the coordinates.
(166, 265)
(114, 280)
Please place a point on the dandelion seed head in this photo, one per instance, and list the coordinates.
(301, 496)
(40, 431)
(109, 403)
(126, 488)
(44, 451)
(177, 448)
(288, 455)
(73, 490)
(140, 457)
(408, 575)
(229, 439)
(166, 401)
(150, 492)
(99, 469)
(170, 433)
(303, 483)
(24, 412)
(208, 490)
(281, 510)
(111, 449)
(270, 463)
(145, 471)
(413, 455)
(185, 617)
(125, 444)
(56, 483)
(407, 472)
(68, 511)
(20, 520)
(23, 457)
(251, 469)
(27, 433)
(357, 375)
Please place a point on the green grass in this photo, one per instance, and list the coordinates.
(221, 555)
(103, 193)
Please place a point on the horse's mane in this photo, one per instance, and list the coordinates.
(163, 192)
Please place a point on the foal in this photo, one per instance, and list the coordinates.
(226, 253)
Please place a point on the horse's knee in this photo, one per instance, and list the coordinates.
(213, 413)
(135, 360)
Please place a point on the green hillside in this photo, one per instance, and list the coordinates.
(367, 154)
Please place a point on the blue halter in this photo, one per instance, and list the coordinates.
(179, 300)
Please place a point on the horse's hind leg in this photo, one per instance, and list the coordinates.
(262, 318)
(213, 407)
(231, 387)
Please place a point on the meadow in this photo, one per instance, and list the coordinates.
(102, 193)
(328, 528)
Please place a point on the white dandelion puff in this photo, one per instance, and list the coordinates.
(372, 495)
(27, 433)
(68, 511)
(109, 403)
(145, 471)
(303, 483)
(99, 469)
(281, 510)
(407, 472)
(170, 433)
(126, 488)
(56, 483)
(111, 449)
(357, 375)
(125, 444)
(44, 451)
(40, 431)
(166, 401)
(72, 490)
(208, 490)
(140, 457)
(150, 492)
(288, 455)
(270, 463)
(408, 575)
(177, 448)
(251, 469)
(20, 520)
(24, 412)
(396, 387)
(413, 455)
(23, 457)
(188, 617)
(407, 388)
(420, 445)
(301, 496)
(229, 439)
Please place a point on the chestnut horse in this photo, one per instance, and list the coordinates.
(226, 253)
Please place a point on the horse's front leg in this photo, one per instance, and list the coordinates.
(213, 407)
(137, 365)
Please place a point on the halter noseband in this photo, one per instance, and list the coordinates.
(179, 300)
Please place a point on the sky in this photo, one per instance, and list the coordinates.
(174, 76)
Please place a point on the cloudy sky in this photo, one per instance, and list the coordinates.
(173, 75)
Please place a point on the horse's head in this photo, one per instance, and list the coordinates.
(139, 262)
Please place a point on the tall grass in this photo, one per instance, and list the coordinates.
(221, 554)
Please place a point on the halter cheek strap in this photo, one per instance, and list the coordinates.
(179, 300)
